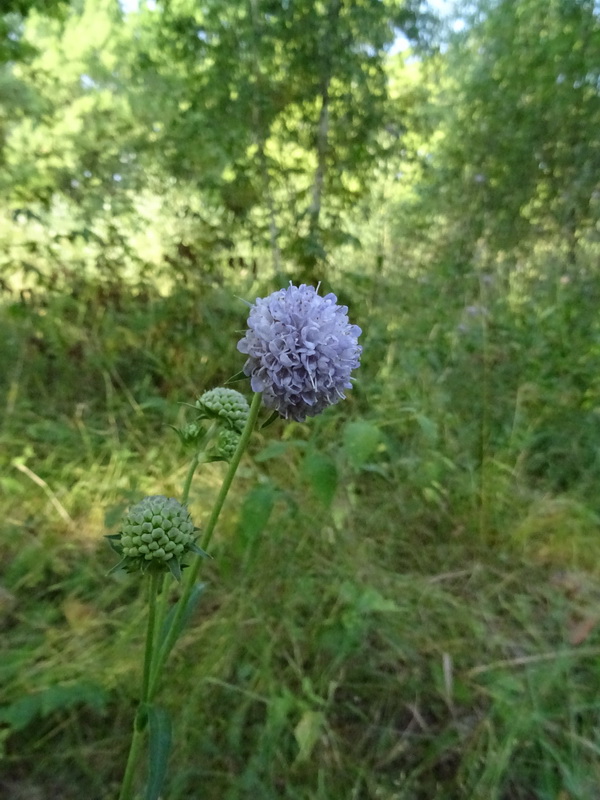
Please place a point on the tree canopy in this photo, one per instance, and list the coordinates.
(270, 128)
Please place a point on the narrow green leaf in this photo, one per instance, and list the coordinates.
(273, 418)
(198, 550)
(159, 747)
(239, 376)
(114, 541)
(174, 568)
(118, 567)
(187, 613)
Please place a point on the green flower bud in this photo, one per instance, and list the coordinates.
(190, 434)
(224, 405)
(166, 533)
(227, 444)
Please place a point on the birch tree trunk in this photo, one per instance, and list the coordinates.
(316, 251)
(260, 136)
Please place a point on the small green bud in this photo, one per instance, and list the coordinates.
(166, 534)
(191, 434)
(227, 444)
(226, 406)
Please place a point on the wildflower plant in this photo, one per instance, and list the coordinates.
(301, 352)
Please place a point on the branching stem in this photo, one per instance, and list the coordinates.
(191, 574)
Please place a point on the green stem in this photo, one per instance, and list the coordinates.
(191, 574)
(188, 478)
(152, 590)
(161, 612)
(134, 752)
(198, 459)
(139, 722)
(225, 486)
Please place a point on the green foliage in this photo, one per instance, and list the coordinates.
(22, 712)
(403, 597)
(270, 112)
(523, 76)
(256, 510)
(367, 613)
(321, 474)
(361, 441)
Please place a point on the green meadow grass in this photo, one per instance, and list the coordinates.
(403, 601)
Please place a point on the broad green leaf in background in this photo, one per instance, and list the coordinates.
(308, 732)
(321, 473)
(277, 449)
(361, 440)
(61, 697)
(256, 510)
(428, 427)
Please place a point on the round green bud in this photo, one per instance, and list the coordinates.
(226, 406)
(163, 537)
(190, 433)
(227, 444)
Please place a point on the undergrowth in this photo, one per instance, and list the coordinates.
(403, 599)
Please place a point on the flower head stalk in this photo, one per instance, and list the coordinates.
(301, 351)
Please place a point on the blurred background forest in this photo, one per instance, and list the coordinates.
(404, 600)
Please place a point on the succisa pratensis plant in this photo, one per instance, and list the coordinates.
(301, 351)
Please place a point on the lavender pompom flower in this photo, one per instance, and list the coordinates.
(301, 351)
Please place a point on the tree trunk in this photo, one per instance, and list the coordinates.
(315, 251)
(260, 136)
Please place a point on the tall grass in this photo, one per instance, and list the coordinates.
(403, 597)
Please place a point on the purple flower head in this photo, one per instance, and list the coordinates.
(301, 351)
